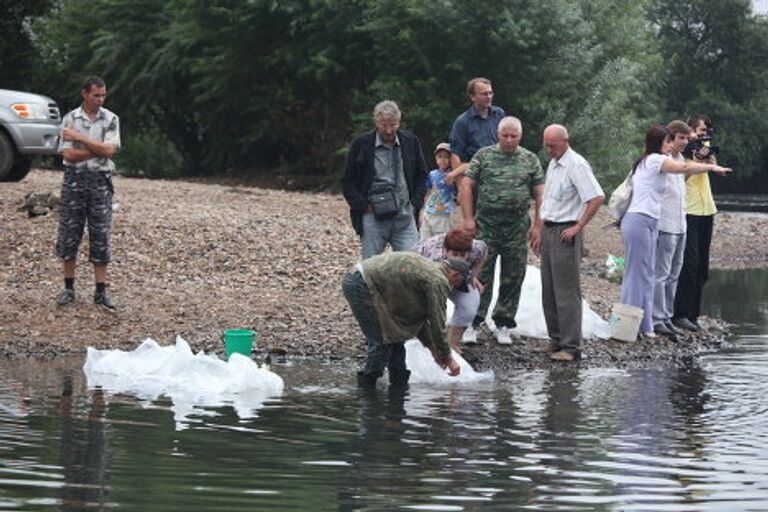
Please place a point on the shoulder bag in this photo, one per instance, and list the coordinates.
(383, 197)
(621, 198)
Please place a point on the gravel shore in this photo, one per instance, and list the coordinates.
(193, 259)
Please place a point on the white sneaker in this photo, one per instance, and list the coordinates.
(470, 336)
(503, 336)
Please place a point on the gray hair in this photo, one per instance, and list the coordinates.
(512, 122)
(559, 130)
(386, 108)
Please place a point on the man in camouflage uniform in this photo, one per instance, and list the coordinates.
(397, 296)
(508, 177)
(90, 137)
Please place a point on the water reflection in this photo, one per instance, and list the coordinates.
(562, 439)
(685, 438)
(83, 451)
(740, 297)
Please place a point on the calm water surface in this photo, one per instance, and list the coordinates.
(742, 202)
(657, 439)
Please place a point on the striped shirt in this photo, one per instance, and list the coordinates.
(570, 183)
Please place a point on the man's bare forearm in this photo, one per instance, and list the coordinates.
(100, 149)
(465, 198)
(592, 206)
(77, 155)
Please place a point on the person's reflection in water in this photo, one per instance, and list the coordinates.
(559, 440)
(379, 448)
(689, 399)
(380, 418)
(84, 460)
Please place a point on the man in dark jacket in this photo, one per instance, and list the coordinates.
(384, 183)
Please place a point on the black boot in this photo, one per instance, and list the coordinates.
(367, 380)
(399, 378)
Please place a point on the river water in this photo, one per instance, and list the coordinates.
(742, 202)
(654, 439)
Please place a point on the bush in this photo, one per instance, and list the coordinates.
(149, 155)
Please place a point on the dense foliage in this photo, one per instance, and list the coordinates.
(244, 87)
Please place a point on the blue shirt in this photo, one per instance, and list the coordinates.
(442, 196)
(471, 132)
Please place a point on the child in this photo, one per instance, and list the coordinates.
(440, 200)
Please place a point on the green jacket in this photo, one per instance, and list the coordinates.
(409, 293)
(505, 184)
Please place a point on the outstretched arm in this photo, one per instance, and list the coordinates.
(690, 167)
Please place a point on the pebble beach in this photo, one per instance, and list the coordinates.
(192, 259)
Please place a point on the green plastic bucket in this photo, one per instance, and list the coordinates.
(238, 340)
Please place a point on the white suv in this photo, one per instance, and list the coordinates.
(29, 125)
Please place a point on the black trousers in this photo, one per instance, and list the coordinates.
(695, 271)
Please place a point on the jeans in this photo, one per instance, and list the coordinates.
(669, 261)
(465, 307)
(378, 353)
(399, 231)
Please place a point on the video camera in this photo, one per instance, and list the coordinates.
(701, 147)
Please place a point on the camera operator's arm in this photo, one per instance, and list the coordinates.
(705, 155)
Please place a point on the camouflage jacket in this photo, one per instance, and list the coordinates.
(409, 293)
(505, 182)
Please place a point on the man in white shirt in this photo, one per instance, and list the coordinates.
(670, 246)
(572, 196)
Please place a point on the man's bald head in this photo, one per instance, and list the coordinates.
(556, 130)
(556, 140)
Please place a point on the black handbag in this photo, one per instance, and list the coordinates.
(383, 201)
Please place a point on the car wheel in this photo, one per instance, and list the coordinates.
(19, 170)
(6, 155)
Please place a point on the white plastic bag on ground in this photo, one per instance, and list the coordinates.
(189, 380)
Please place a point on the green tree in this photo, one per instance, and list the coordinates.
(212, 86)
(620, 97)
(592, 66)
(285, 72)
(19, 62)
(123, 41)
(717, 62)
(232, 85)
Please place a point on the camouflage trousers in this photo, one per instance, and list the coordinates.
(513, 251)
(86, 197)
